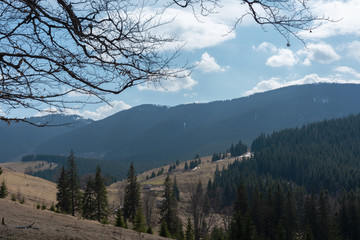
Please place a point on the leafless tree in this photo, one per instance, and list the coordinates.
(50, 49)
(149, 200)
(288, 17)
(203, 215)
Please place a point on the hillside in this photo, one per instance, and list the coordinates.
(52, 225)
(150, 135)
(20, 138)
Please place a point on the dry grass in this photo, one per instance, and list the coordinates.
(57, 226)
(34, 166)
(33, 189)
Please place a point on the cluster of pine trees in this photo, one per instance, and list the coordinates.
(92, 203)
(301, 184)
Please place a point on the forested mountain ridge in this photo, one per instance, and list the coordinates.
(160, 133)
(151, 135)
(301, 182)
(20, 138)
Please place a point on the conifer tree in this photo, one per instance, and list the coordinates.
(119, 221)
(0, 170)
(63, 194)
(89, 200)
(189, 232)
(132, 195)
(168, 209)
(3, 190)
(139, 221)
(176, 190)
(102, 210)
(73, 183)
(164, 232)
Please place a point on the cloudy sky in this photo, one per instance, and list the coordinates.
(249, 59)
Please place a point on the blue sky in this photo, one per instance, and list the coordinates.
(232, 64)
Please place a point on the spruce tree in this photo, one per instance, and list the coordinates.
(102, 209)
(139, 221)
(189, 232)
(132, 195)
(74, 184)
(119, 221)
(3, 190)
(176, 190)
(89, 200)
(63, 194)
(168, 209)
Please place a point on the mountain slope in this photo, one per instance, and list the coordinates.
(157, 134)
(20, 138)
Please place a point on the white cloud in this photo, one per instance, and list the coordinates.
(284, 57)
(319, 52)
(265, 47)
(208, 64)
(275, 83)
(99, 113)
(348, 71)
(106, 110)
(197, 31)
(171, 85)
(354, 50)
(347, 12)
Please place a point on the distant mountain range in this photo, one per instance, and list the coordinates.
(151, 135)
(18, 139)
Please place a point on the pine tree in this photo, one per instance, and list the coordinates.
(176, 190)
(89, 200)
(74, 183)
(63, 195)
(168, 209)
(189, 232)
(102, 210)
(3, 190)
(119, 221)
(132, 195)
(164, 232)
(139, 221)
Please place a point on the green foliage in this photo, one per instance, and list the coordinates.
(1, 171)
(169, 209)
(164, 232)
(13, 197)
(176, 190)
(189, 232)
(119, 221)
(95, 199)
(52, 207)
(68, 185)
(89, 204)
(132, 195)
(237, 149)
(101, 196)
(73, 184)
(139, 221)
(3, 190)
(43, 206)
(149, 230)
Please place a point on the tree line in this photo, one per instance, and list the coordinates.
(301, 184)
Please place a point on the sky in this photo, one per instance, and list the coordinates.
(249, 59)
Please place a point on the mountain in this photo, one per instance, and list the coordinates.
(151, 135)
(21, 138)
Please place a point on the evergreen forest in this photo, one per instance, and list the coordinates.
(302, 183)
